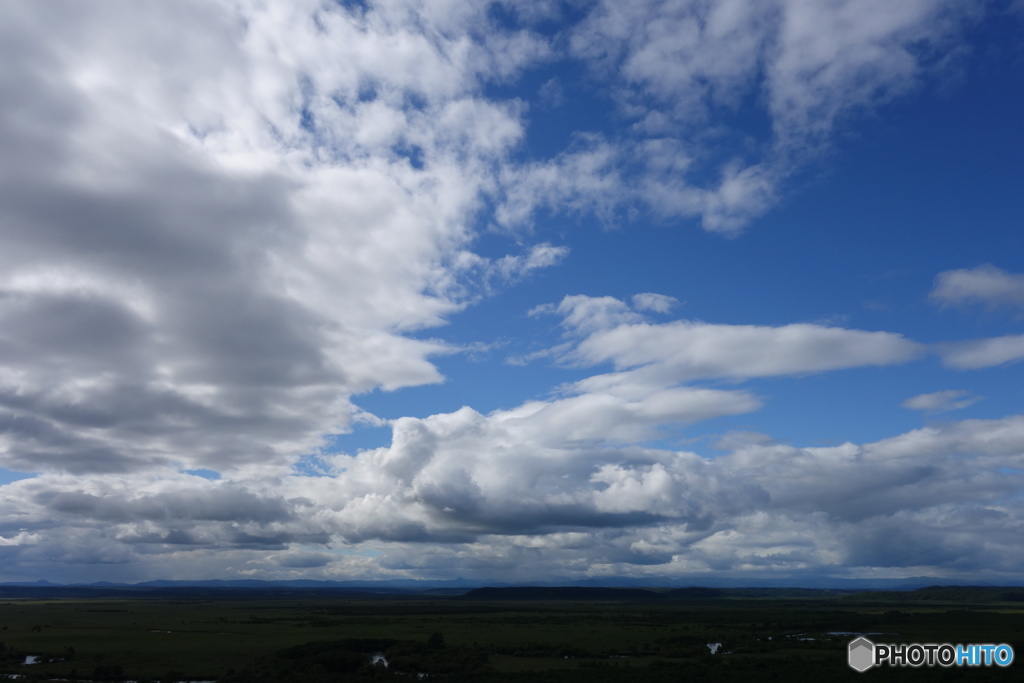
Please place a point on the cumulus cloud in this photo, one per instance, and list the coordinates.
(484, 488)
(491, 493)
(223, 222)
(210, 246)
(985, 284)
(941, 401)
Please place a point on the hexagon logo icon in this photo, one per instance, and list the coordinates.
(861, 654)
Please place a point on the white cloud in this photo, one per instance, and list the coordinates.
(220, 220)
(540, 256)
(470, 277)
(649, 301)
(488, 493)
(688, 55)
(651, 361)
(984, 353)
(744, 193)
(834, 59)
(674, 66)
(682, 350)
(941, 401)
(614, 413)
(587, 313)
(584, 178)
(514, 267)
(985, 284)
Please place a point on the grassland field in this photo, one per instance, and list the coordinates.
(235, 638)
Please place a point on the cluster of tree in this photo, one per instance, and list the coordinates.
(965, 594)
(544, 650)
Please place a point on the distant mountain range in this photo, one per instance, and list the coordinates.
(376, 590)
(461, 585)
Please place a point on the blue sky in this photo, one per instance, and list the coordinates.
(515, 291)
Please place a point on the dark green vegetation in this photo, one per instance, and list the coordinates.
(525, 634)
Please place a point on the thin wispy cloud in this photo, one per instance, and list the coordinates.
(984, 353)
(941, 401)
(986, 285)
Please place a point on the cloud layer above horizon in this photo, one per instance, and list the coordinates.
(230, 232)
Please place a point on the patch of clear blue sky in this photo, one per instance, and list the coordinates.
(204, 473)
(7, 476)
(927, 183)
